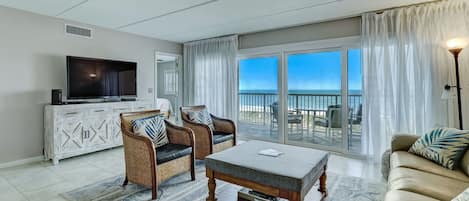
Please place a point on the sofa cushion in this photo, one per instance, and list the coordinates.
(427, 184)
(154, 127)
(465, 163)
(219, 137)
(407, 160)
(170, 152)
(201, 117)
(444, 146)
(398, 195)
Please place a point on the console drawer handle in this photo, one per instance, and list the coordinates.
(99, 111)
(71, 113)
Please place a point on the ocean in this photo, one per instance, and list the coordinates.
(257, 100)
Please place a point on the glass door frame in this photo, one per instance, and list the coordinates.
(344, 93)
(282, 51)
(279, 85)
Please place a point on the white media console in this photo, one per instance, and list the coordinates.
(76, 129)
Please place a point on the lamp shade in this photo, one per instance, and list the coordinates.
(457, 43)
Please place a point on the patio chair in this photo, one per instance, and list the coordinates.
(149, 166)
(332, 121)
(293, 118)
(355, 120)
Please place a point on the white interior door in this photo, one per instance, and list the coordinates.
(168, 83)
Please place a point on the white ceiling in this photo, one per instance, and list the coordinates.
(187, 20)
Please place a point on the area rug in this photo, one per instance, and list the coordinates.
(180, 188)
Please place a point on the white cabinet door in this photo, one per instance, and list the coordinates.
(71, 134)
(116, 133)
(97, 131)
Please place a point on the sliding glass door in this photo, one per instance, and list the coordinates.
(298, 98)
(354, 78)
(315, 98)
(258, 111)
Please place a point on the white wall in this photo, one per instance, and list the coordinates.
(311, 32)
(32, 62)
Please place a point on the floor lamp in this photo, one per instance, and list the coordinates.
(455, 46)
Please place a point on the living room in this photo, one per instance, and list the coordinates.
(234, 100)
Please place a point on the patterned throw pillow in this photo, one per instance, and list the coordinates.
(444, 146)
(153, 127)
(201, 117)
(464, 196)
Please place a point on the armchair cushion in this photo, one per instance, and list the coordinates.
(444, 146)
(201, 117)
(219, 137)
(154, 127)
(170, 152)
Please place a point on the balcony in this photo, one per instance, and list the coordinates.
(309, 121)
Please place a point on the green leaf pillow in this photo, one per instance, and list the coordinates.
(444, 146)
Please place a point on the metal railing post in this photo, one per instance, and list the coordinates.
(297, 106)
(265, 102)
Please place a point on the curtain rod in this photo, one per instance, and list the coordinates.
(406, 6)
(213, 38)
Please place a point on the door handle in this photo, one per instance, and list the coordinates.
(86, 134)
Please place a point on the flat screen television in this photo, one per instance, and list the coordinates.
(90, 78)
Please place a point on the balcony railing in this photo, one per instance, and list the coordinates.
(257, 118)
(257, 108)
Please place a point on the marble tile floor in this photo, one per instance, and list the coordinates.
(45, 182)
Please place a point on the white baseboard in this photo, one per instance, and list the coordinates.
(22, 162)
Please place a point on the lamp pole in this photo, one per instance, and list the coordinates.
(455, 53)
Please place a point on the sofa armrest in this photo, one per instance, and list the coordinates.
(140, 158)
(179, 135)
(223, 125)
(403, 142)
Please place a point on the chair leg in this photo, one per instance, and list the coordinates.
(192, 173)
(126, 181)
(314, 130)
(154, 192)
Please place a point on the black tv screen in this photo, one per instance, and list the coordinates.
(99, 78)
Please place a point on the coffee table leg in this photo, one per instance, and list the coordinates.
(211, 186)
(322, 183)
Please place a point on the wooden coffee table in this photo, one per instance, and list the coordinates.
(290, 175)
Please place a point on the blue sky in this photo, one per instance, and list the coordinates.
(309, 71)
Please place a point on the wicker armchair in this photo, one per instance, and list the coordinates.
(147, 166)
(206, 140)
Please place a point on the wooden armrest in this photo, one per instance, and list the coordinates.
(179, 135)
(223, 125)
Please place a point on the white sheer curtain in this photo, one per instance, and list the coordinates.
(210, 75)
(405, 66)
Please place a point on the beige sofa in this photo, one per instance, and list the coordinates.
(413, 178)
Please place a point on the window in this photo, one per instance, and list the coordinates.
(258, 98)
(297, 96)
